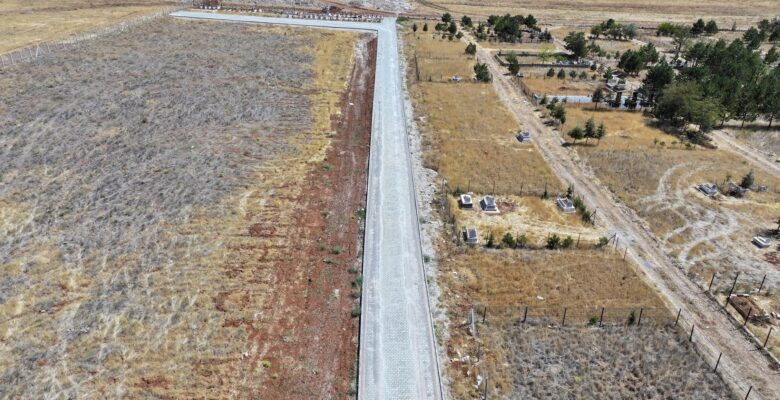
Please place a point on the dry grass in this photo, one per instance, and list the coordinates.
(130, 180)
(473, 140)
(526, 215)
(614, 363)
(536, 79)
(704, 235)
(23, 23)
(437, 57)
(571, 278)
(470, 135)
(591, 12)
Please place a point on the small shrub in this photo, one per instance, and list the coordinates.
(266, 364)
(553, 242)
(593, 320)
(355, 312)
(508, 240)
(568, 242)
(335, 250)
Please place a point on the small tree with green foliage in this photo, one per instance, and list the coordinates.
(508, 240)
(414, 27)
(561, 74)
(576, 133)
(553, 241)
(482, 73)
(466, 21)
(471, 49)
(747, 180)
(550, 73)
(446, 17)
(425, 27)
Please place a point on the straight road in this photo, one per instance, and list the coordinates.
(397, 357)
(742, 365)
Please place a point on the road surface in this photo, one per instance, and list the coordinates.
(397, 357)
(741, 365)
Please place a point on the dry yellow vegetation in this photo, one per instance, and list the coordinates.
(586, 11)
(24, 23)
(438, 58)
(174, 307)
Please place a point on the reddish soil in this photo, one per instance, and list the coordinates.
(310, 336)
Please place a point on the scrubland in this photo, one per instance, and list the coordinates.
(152, 215)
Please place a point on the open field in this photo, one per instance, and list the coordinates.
(438, 58)
(23, 22)
(606, 363)
(474, 138)
(471, 136)
(157, 238)
(590, 12)
(537, 80)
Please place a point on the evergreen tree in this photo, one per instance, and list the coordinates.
(576, 133)
(711, 28)
(561, 74)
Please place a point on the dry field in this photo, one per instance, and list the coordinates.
(705, 236)
(438, 58)
(590, 12)
(156, 240)
(606, 363)
(537, 80)
(25, 22)
(468, 135)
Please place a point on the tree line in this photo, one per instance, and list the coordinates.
(720, 81)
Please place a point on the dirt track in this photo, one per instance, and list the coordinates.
(714, 330)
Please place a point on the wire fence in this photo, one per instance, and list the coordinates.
(40, 50)
(483, 323)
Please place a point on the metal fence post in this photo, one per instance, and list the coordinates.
(717, 362)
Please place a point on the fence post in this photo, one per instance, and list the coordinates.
(690, 338)
(678, 317)
(525, 314)
(484, 315)
(563, 322)
(750, 311)
(762, 284)
(767, 336)
(709, 289)
(748, 393)
(625, 252)
(717, 362)
(601, 318)
(731, 291)
(641, 310)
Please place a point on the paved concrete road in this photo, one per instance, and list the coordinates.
(397, 352)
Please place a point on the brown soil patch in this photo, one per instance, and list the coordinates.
(311, 338)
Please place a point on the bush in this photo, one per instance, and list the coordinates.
(508, 240)
(553, 242)
(568, 242)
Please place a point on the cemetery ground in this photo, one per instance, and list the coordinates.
(655, 174)
(27, 22)
(181, 215)
(468, 138)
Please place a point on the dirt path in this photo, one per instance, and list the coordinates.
(727, 142)
(741, 364)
